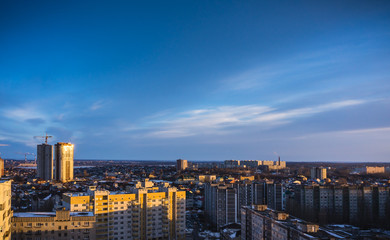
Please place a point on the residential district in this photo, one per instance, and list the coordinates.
(57, 197)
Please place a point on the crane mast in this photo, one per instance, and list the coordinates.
(45, 137)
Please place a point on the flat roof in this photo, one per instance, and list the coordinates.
(51, 214)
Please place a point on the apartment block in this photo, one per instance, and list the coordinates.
(181, 164)
(223, 201)
(318, 173)
(264, 164)
(260, 223)
(147, 211)
(221, 205)
(61, 224)
(5, 209)
(373, 170)
(358, 205)
(250, 163)
(232, 163)
(206, 178)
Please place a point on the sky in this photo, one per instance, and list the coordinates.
(199, 80)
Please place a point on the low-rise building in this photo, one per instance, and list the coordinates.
(61, 224)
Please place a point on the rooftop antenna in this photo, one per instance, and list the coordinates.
(45, 137)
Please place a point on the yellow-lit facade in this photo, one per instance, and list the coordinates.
(64, 162)
(1, 167)
(59, 225)
(373, 170)
(181, 164)
(5, 209)
(145, 213)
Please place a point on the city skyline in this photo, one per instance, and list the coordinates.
(197, 80)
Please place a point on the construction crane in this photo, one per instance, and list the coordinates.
(45, 137)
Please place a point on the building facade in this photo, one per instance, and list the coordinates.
(223, 201)
(61, 224)
(358, 205)
(1, 167)
(373, 170)
(45, 161)
(64, 162)
(260, 223)
(263, 164)
(221, 204)
(318, 173)
(181, 164)
(5, 209)
(147, 212)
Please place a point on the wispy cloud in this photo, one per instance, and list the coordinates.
(4, 145)
(23, 114)
(224, 119)
(364, 131)
(97, 105)
(287, 70)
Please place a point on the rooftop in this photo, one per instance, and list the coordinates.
(51, 214)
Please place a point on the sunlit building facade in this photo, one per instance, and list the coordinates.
(1, 167)
(61, 225)
(5, 209)
(318, 173)
(182, 164)
(146, 212)
(64, 162)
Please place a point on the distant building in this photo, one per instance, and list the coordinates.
(232, 163)
(45, 161)
(263, 164)
(61, 224)
(5, 209)
(181, 164)
(1, 167)
(318, 173)
(373, 170)
(249, 178)
(250, 163)
(206, 178)
(64, 162)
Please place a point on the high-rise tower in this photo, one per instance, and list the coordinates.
(63, 162)
(181, 164)
(45, 161)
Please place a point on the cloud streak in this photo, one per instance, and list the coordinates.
(354, 132)
(97, 105)
(225, 119)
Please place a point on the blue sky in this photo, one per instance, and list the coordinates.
(201, 80)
